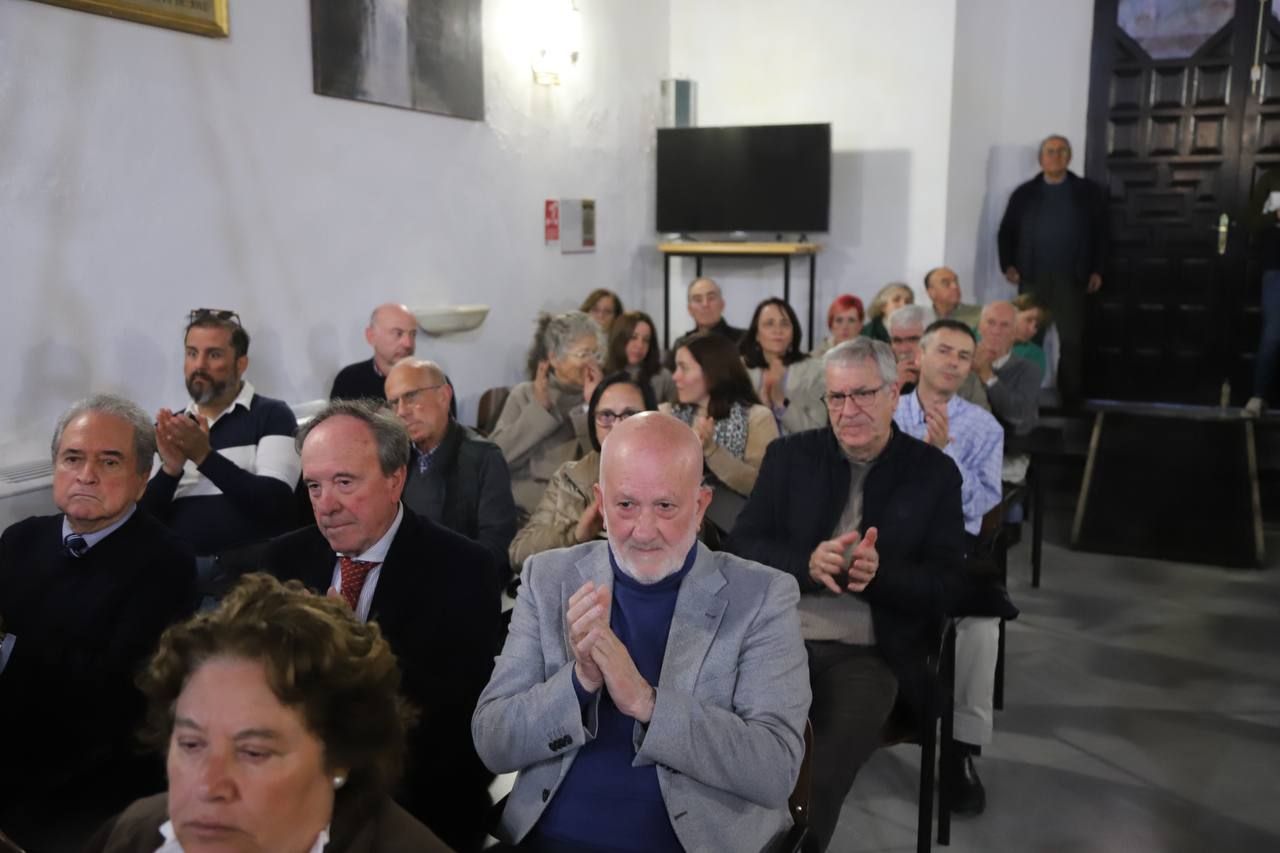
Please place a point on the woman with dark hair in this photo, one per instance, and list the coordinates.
(631, 348)
(568, 513)
(544, 421)
(283, 729)
(1033, 318)
(788, 381)
(604, 306)
(845, 318)
(715, 397)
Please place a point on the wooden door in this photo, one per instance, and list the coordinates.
(1172, 130)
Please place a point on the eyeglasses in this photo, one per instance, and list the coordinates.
(584, 354)
(411, 396)
(861, 397)
(905, 339)
(198, 314)
(607, 418)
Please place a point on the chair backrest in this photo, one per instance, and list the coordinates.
(799, 802)
(491, 403)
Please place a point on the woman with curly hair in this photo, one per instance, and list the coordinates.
(283, 729)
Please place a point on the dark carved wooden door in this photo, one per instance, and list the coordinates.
(1176, 136)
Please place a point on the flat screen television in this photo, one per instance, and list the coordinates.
(760, 178)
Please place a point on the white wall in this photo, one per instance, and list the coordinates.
(1021, 73)
(145, 172)
(881, 74)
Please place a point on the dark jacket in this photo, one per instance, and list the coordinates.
(1264, 227)
(359, 381)
(911, 496)
(467, 489)
(722, 328)
(386, 828)
(1089, 203)
(437, 607)
(68, 704)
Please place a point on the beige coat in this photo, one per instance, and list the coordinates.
(806, 383)
(740, 474)
(555, 520)
(536, 441)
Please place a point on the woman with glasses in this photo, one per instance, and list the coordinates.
(788, 381)
(568, 513)
(632, 348)
(544, 421)
(717, 400)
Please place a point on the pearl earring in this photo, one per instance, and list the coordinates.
(338, 782)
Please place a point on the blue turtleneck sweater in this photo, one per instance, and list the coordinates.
(604, 803)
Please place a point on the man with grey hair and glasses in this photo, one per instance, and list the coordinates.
(427, 587)
(84, 596)
(652, 693)
(869, 522)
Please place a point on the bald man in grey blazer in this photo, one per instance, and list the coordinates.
(652, 694)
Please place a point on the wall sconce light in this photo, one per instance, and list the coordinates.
(557, 39)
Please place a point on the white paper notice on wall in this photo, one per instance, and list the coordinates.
(577, 225)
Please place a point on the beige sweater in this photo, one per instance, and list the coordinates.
(536, 442)
(553, 523)
(740, 474)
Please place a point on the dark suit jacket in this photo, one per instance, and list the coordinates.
(911, 495)
(468, 490)
(68, 705)
(1089, 203)
(386, 828)
(438, 609)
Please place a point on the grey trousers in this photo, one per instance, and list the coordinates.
(853, 693)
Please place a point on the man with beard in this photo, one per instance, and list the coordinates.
(228, 466)
(652, 693)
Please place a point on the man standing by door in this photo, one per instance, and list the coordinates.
(1053, 244)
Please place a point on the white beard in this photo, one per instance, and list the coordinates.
(676, 564)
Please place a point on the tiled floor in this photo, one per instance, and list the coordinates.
(1142, 713)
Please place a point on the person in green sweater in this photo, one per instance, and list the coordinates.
(890, 298)
(1032, 319)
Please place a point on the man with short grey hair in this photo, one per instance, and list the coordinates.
(428, 588)
(84, 596)
(868, 520)
(652, 693)
(1053, 244)
(706, 308)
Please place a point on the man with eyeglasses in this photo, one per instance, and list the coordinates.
(392, 333)
(1053, 245)
(906, 329)
(456, 477)
(227, 465)
(869, 521)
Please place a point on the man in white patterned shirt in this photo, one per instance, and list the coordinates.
(974, 440)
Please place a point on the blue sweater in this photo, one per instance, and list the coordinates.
(605, 803)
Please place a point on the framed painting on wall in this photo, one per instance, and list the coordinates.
(204, 17)
(417, 54)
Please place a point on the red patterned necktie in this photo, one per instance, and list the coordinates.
(353, 574)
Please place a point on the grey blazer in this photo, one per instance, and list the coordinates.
(727, 731)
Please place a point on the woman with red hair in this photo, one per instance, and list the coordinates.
(844, 320)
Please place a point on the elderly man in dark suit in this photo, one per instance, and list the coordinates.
(84, 596)
(651, 693)
(456, 477)
(427, 587)
(869, 521)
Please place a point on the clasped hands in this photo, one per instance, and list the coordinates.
(828, 561)
(179, 437)
(600, 658)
